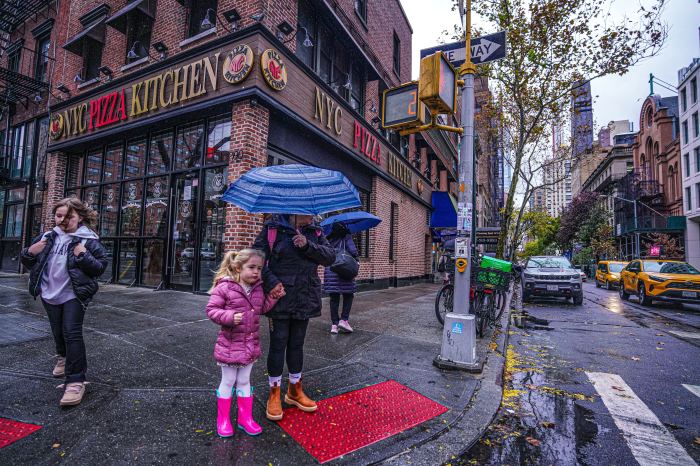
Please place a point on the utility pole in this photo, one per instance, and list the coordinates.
(458, 349)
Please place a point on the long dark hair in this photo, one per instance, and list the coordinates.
(79, 207)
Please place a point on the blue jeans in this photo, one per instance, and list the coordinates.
(67, 327)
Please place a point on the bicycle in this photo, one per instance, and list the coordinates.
(488, 299)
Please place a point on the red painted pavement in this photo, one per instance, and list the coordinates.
(11, 431)
(353, 420)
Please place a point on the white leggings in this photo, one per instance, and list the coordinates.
(238, 376)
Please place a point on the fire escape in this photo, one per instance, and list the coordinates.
(18, 81)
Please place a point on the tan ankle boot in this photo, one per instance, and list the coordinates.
(296, 396)
(274, 404)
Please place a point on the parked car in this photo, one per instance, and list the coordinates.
(551, 276)
(608, 274)
(207, 254)
(188, 253)
(663, 280)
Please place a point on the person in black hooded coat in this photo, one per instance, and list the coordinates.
(341, 239)
(294, 247)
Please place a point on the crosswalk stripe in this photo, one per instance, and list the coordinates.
(694, 389)
(681, 334)
(651, 443)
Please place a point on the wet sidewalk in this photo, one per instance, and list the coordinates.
(152, 379)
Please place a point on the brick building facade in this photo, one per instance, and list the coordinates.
(156, 105)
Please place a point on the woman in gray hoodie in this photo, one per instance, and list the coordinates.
(64, 265)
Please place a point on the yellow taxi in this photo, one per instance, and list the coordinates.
(607, 273)
(663, 280)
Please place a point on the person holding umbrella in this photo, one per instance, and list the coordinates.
(335, 285)
(295, 247)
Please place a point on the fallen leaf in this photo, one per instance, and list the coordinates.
(659, 349)
(547, 424)
(635, 358)
(620, 389)
(659, 334)
(199, 430)
(533, 441)
(55, 445)
(696, 441)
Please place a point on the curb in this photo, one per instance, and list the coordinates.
(457, 438)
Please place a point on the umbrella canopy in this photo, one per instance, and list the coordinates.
(355, 221)
(292, 189)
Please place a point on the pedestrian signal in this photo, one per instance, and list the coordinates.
(401, 108)
(438, 84)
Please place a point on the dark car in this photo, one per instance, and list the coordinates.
(551, 276)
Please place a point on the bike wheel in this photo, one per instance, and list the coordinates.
(478, 311)
(444, 302)
(501, 304)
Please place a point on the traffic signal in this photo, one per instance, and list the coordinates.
(438, 84)
(401, 108)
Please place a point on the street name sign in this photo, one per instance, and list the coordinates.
(484, 49)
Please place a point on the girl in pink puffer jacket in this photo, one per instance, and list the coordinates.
(236, 303)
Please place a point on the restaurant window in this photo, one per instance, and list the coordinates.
(202, 16)
(397, 55)
(188, 147)
(113, 164)
(135, 160)
(218, 141)
(306, 34)
(160, 153)
(138, 37)
(132, 197)
(393, 230)
(156, 221)
(41, 67)
(361, 239)
(94, 167)
(110, 210)
(325, 56)
(74, 169)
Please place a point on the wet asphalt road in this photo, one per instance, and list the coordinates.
(606, 383)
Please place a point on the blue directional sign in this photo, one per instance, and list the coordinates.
(484, 49)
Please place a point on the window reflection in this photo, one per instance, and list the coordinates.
(188, 149)
(132, 196)
(213, 226)
(110, 210)
(94, 167)
(160, 153)
(219, 141)
(127, 261)
(152, 269)
(113, 164)
(156, 221)
(135, 160)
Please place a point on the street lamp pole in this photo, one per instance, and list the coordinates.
(458, 350)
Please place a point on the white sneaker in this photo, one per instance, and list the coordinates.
(345, 326)
(334, 329)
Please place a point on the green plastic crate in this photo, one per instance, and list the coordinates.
(498, 264)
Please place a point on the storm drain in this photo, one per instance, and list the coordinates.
(18, 328)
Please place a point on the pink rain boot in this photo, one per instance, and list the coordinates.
(223, 416)
(245, 416)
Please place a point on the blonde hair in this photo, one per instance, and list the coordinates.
(232, 264)
(79, 207)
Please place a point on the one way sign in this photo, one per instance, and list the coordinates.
(484, 49)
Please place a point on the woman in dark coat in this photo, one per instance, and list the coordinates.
(336, 286)
(295, 247)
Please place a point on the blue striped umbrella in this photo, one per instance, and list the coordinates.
(292, 189)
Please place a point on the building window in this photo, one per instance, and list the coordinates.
(684, 127)
(684, 100)
(393, 230)
(697, 159)
(630, 167)
(688, 199)
(92, 59)
(694, 90)
(697, 190)
(41, 67)
(361, 9)
(361, 239)
(306, 34)
(138, 37)
(13, 60)
(397, 55)
(202, 16)
(696, 126)
(686, 162)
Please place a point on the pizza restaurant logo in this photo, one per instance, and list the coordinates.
(238, 64)
(273, 69)
(56, 126)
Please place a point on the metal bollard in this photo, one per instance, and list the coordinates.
(459, 344)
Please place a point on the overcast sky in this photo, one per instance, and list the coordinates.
(615, 97)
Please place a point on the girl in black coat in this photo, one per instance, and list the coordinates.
(295, 247)
(334, 285)
(64, 265)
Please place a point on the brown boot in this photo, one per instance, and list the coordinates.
(274, 405)
(295, 396)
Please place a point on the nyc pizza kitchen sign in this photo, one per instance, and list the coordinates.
(170, 88)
